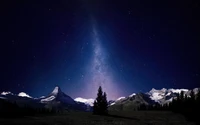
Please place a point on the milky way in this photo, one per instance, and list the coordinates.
(99, 71)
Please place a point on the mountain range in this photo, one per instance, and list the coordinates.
(56, 99)
(59, 100)
(163, 96)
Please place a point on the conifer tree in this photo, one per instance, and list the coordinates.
(192, 96)
(198, 97)
(100, 104)
(105, 103)
(182, 95)
(198, 101)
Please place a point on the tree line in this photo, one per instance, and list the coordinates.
(12, 110)
(189, 106)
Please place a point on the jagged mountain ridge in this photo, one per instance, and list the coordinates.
(166, 95)
(57, 98)
(149, 98)
(22, 99)
(58, 95)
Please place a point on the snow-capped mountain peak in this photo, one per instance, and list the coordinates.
(86, 101)
(156, 95)
(132, 95)
(58, 96)
(196, 90)
(153, 90)
(56, 90)
(177, 90)
(163, 89)
(6, 93)
(23, 94)
(165, 94)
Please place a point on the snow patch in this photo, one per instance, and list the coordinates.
(178, 90)
(112, 103)
(6, 93)
(86, 101)
(132, 95)
(22, 94)
(48, 99)
(156, 96)
(120, 98)
(168, 94)
(196, 90)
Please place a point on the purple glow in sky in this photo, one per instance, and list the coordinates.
(99, 71)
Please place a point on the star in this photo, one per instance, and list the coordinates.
(195, 75)
(129, 12)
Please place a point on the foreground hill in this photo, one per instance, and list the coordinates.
(116, 118)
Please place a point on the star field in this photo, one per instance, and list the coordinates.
(125, 47)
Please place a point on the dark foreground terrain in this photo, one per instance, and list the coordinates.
(116, 118)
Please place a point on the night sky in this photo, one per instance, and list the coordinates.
(124, 46)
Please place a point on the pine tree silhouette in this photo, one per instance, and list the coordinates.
(105, 104)
(198, 101)
(191, 101)
(100, 104)
(192, 96)
(182, 95)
